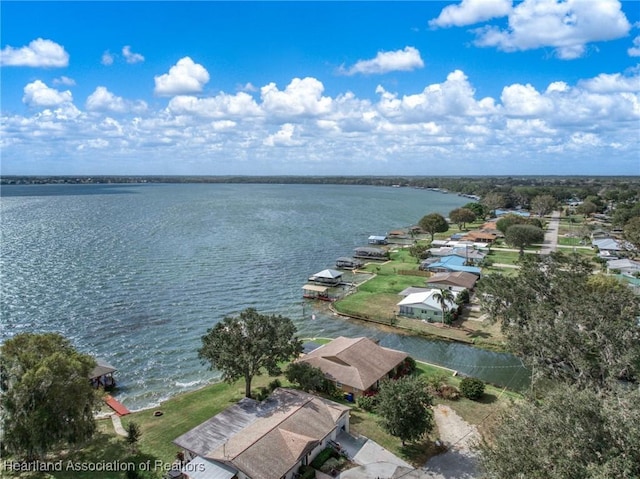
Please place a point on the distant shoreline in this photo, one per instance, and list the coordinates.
(390, 180)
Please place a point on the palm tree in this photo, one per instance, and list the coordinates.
(444, 297)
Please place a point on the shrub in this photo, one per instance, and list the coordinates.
(409, 366)
(449, 392)
(275, 384)
(472, 388)
(307, 472)
(368, 403)
(323, 457)
(463, 297)
(435, 383)
(263, 393)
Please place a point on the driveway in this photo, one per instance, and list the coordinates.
(458, 462)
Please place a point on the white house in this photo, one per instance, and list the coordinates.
(424, 306)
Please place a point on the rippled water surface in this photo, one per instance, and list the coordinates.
(136, 274)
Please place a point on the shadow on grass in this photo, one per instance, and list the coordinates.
(479, 334)
(487, 398)
(418, 453)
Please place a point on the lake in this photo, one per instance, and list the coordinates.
(136, 274)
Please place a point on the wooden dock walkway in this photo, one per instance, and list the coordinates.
(117, 406)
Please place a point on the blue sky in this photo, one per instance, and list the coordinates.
(477, 87)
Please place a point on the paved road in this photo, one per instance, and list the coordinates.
(551, 235)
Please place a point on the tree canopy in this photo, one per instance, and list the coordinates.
(632, 231)
(564, 323)
(477, 208)
(404, 406)
(462, 216)
(306, 376)
(580, 332)
(543, 204)
(493, 201)
(521, 236)
(433, 223)
(46, 396)
(243, 346)
(568, 434)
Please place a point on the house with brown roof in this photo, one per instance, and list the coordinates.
(480, 237)
(356, 365)
(456, 281)
(271, 439)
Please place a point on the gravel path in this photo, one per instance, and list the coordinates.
(459, 462)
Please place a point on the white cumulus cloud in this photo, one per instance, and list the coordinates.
(400, 60)
(131, 57)
(301, 97)
(220, 106)
(567, 25)
(39, 53)
(610, 83)
(283, 137)
(38, 94)
(524, 100)
(185, 77)
(107, 58)
(63, 80)
(634, 51)
(103, 100)
(471, 11)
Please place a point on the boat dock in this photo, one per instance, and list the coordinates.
(117, 406)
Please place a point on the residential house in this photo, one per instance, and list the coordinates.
(450, 264)
(500, 212)
(480, 237)
(468, 252)
(627, 266)
(262, 440)
(599, 234)
(607, 247)
(425, 306)
(456, 281)
(356, 365)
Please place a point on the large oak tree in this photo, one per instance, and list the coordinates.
(565, 322)
(45, 393)
(243, 346)
(433, 223)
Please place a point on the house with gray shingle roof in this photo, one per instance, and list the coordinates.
(263, 440)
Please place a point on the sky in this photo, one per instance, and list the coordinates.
(427, 88)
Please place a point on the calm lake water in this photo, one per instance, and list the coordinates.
(136, 274)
